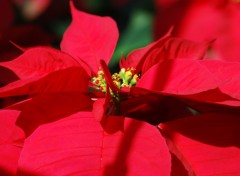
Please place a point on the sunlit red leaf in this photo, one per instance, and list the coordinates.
(207, 144)
(196, 80)
(77, 145)
(90, 38)
(181, 77)
(39, 61)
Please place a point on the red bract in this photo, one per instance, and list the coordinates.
(83, 42)
(70, 130)
(206, 144)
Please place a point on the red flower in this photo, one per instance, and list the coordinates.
(56, 131)
(61, 134)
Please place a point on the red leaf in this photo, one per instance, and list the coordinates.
(166, 47)
(39, 61)
(174, 48)
(228, 72)
(191, 80)
(180, 77)
(211, 98)
(104, 110)
(207, 144)
(59, 81)
(78, 145)
(90, 38)
(46, 108)
(11, 140)
(134, 58)
(137, 58)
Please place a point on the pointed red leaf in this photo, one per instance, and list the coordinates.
(167, 47)
(175, 48)
(137, 57)
(11, 140)
(190, 79)
(181, 77)
(207, 144)
(77, 145)
(134, 58)
(71, 79)
(39, 61)
(90, 38)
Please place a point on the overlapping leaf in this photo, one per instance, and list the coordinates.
(180, 77)
(45, 108)
(167, 47)
(199, 80)
(71, 79)
(174, 48)
(39, 61)
(207, 144)
(153, 108)
(78, 145)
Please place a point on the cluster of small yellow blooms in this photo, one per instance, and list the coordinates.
(125, 78)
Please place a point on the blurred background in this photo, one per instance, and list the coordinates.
(43, 22)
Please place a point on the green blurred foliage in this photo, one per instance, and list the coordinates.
(137, 34)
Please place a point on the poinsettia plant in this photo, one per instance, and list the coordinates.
(168, 111)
